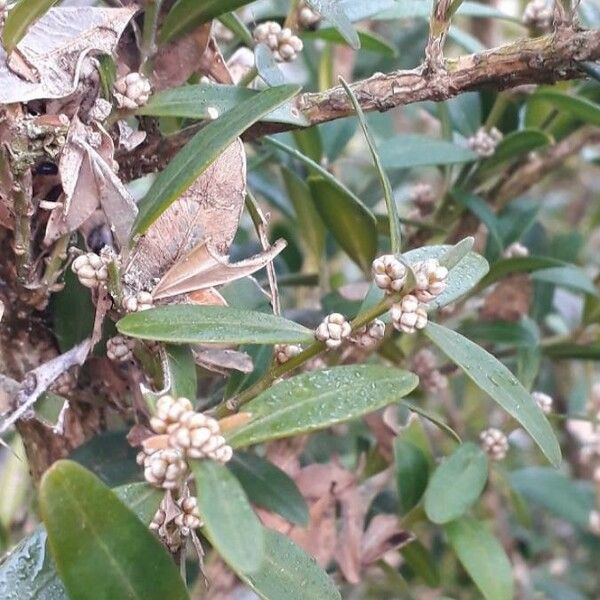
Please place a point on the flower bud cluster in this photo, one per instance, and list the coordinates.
(132, 91)
(282, 42)
(494, 443)
(333, 330)
(484, 143)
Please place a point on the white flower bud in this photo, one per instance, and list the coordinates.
(307, 17)
(165, 468)
(158, 520)
(282, 42)
(138, 302)
(333, 330)
(168, 412)
(90, 269)
(430, 279)
(120, 348)
(494, 443)
(370, 335)
(389, 273)
(199, 436)
(409, 314)
(422, 196)
(189, 518)
(484, 143)
(538, 15)
(515, 250)
(283, 352)
(132, 91)
(544, 401)
(100, 110)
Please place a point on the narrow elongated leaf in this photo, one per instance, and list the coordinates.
(101, 549)
(408, 9)
(520, 264)
(268, 486)
(453, 256)
(188, 14)
(194, 101)
(368, 40)
(576, 106)
(496, 380)
(350, 222)
(569, 277)
(483, 558)
(181, 371)
(266, 65)
(288, 572)
(388, 194)
(567, 499)
(229, 521)
(422, 562)
(333, 11)
(412, 470)
(463, 276)
(20, 17)
(517, 144)
(197, 155)
(456, 484)
(195, 324)
(317, 400)
(413, 150)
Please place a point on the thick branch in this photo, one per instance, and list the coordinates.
(540, 60)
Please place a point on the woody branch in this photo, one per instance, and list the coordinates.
(545, 59)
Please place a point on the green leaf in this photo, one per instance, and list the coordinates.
(576, 106)
(350, 222)
(268, 486)
(514, 333)
(229, 521)
(20, 18)
(333, 11)
(456, 484)
(288, 572)
(369, 41)
(388, 194)
(188, 14)
(198, 154)
(98, 544)
(483, 212)
(520, 264)
(193, 102)
(422, 562)
(568, 351)
(496, 380)
(267, 66)
(414, 150)
(313, 401)
(141, 499)
(463, 276)
(233, 22)
(181, 376)
(412, 466)
(515, 145)
(567, 499)
(196, 324)
(483, 558)
(456, 253)
(568, 277)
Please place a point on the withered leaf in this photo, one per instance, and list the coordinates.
(221, 360)
(48, 60)
(210, 209)
(509, 300)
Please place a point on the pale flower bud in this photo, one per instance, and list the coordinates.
(165, 468)
(120, 348)
(132, 91)
(370, 335)
(544, 401)
(168, 412)
(409, 314)
(307, 17)
(430, 279)
(389, 273)
(494, 443)
(90, 269)
(199, 436)
(538, 15)
(283, 352)
(333, 330)
(138, 302)
(515, 250)
(484, 143)
(189, 518)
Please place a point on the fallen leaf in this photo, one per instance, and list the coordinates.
(47, 62)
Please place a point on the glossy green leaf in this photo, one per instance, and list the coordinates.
(180, 377)
(369, 41)
(196, 324)
(515, 333)
(229, 521)
(516, 144)
(489, 374)
(333, 11)
(483, 558)
(235, 24)
(288, 572)
(564, 497)
(520, 264)
(576, 106)
(434, 419)
(268, 486)
(313, 401)
(388, 193)
(412, 467)
(568, 351)
(456, 484)
(456, 253)
(188, 14)
(20, 18)
(193, 102)
(414, 150)
(350, 222)
(140, 498)
(101, 549)
(463, 276)
(198, 154)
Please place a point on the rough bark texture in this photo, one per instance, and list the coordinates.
(545, 59)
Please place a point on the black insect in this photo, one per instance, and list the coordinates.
(99, 237)
(47, 168)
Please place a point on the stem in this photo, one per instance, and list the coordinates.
(232, 405)
(114, 283)
(249, 77)
(149, 34)
(22, 246)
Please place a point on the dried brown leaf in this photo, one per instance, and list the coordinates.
(47, 61)
(382, 535)
(509, 300)
(222, 360)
